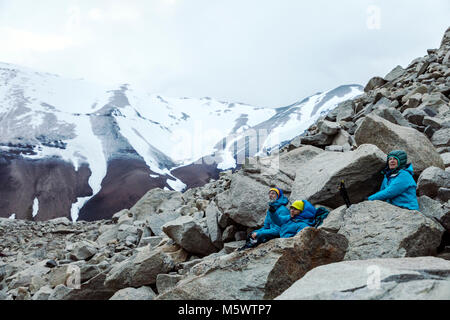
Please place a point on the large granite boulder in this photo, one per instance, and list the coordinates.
(279, 169)
(246, 200)
(189, 235)
(142, 268)
(441, 138)
(260, 273)
(212, 220)
(318, 179)
(435, 210)
(388, 136)
(431, 180)
(377, 229)
(142, 293)
(421, 278)
(374, 83)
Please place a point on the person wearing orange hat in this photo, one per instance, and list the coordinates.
(302, 215)
(270, 230)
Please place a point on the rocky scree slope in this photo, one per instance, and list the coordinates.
(173, 245)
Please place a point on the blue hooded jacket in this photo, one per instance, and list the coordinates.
(398, 189)
(270, 228)
(289, 226)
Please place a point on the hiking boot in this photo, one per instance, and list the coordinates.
(248, 245)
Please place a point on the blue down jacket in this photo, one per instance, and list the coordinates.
(398, 189)
(289, 227)
(270, 229)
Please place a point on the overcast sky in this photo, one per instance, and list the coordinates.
(262, 52)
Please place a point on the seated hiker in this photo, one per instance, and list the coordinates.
(302, 215)
(398, 186)
(277, 206)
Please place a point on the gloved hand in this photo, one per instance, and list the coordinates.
(272, 209)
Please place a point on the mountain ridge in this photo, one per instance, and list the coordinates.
(45, 116)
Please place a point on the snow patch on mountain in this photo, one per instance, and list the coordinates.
(35, 207)
(302, 116)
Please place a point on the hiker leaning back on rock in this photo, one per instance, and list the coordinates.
(302, 215)
(270, 230)
(398, 187)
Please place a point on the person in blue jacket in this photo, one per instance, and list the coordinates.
(270, 230)
(398, 187)
(302, 215)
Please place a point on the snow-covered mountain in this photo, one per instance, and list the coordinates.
(74, 148)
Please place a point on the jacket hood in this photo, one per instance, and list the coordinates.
(282, 201)
(409, 169)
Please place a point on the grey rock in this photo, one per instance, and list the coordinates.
(165, 282)
(60, 292)
(359, 169)
(334, 220)
(259, 273)
(317, 140)
(328, 127)
(60, 221)
(435, 210)
(421, 278)
(230, 247)
(157, 207)
(446, 158)
(443, 194)
(431, 180)
(83, 250)
(246, 208)
(334, 148)
(142, 293)
(435, 101)
(412, 102)
(143, 268)
(415, 116)
(392, 115)
(240, 235)
(212, 221)
(377, 229)
(152, 241)
(395, 73)
(388, 136)
(187, 233)
(228, 233)
(441, 138)
(108, 234)
(346, 111)
(374, 83)
(43, 293)
(24, 277)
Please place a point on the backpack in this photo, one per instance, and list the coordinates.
(321, 214)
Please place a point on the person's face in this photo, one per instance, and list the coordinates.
(294, 212)
(273, 195)
(392, 163)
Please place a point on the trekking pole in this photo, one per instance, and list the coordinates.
(344, 193)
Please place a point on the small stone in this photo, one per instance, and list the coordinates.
(51, 264)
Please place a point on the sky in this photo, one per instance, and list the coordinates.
(267, 53)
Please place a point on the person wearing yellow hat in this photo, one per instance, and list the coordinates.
(270, 230)
(302, 215)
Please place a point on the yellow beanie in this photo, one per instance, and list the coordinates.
(299, 205)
